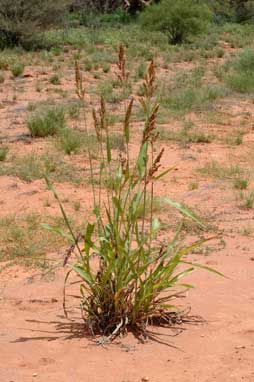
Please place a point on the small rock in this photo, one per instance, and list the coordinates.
(145, 379)
(35, 374)
(240, 347)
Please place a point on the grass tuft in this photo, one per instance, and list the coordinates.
(216, 170)
(17, 69)
(246, 199)
(238, 73)
(70, 141)
(47, 121)
(185, 135)
(241, 183)
(3, 153)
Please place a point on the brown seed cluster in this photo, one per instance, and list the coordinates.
(155, 166)
(150, 134)
(122, 75)
(80, 89)
(100, 119)
(149, 83)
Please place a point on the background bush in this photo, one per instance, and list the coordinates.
(178, 19)
(20, 20)
(232, 10)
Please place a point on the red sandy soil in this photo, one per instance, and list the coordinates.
(37, 343)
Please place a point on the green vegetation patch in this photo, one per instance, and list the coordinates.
(34, 166)
(46, 121)
(23, 240)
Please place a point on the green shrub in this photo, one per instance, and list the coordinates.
(106, 67)
(241, 183)
(46, 121)
(245, 61)
(241, 82)
(70, 141)
(239, 73)
(178, 19)
(55, 79)
(17, 69)
(219, 52)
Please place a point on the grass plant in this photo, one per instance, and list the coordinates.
(128, 276)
